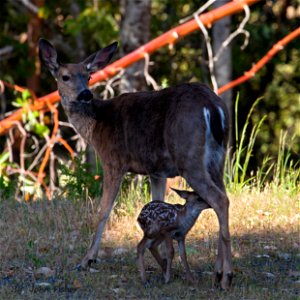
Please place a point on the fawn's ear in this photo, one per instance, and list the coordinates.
(184, 194)
(100, 59)
(48, 56)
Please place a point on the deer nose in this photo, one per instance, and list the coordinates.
(85, 95)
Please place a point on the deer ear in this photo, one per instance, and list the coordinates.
(184, 194)
(48, 56)
(100, 59)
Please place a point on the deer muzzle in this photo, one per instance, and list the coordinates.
(85, 95)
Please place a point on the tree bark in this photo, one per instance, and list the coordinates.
(34, 33)
(223, 67)
(135, 31)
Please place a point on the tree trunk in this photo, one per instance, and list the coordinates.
(135, 31)
(223, 67)
(34, 33)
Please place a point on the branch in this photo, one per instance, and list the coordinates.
(5, 51)
(274, 50)
(34, 9)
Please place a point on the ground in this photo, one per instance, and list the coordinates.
(41, 243)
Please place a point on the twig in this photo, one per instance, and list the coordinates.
(239, 30)
(209, 53)
(66, 145)
(34, 9)
(49, 148)
(148, 77)
(198, 11)
(6, 50)
(274, 50)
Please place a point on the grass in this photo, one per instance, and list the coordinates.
(265, 243)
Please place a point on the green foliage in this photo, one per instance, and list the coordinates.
(282, 173)
(78, 182)
(7, 185)
(30, 118)
(90, 20)
(134, 190)
(237, 170)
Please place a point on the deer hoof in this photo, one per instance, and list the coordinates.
(147, 284)
(218, 278)
(190, 279)
(167, 278)
(226, 281)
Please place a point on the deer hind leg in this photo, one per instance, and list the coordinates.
(217, 199)
(140, 253)
(110, 191)
(170, 255)
(182, 253)
(154, 251)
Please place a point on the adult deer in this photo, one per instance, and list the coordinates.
(181, 130)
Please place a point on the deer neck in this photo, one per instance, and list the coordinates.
(190, 216)
(82, 121)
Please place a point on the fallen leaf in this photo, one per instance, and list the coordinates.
(77, 284)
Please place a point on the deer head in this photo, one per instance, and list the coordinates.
(72, 79)
(192, 198)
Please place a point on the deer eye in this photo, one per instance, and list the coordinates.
(65, 77)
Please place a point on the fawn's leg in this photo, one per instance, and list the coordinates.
(182, 253)
(157, 256)
(170, 255)
(111, 186)
(140, 252)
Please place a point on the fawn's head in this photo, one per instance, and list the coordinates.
(72, 79)
(192, 198)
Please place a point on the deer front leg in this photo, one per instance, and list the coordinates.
(182, 253)
(158, 188)
(111, 187)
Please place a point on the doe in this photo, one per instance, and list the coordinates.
(162, 221)
(177, 131)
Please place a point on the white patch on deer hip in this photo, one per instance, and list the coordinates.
(222, 117)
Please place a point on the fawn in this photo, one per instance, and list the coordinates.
(162, 221)
(177, 131)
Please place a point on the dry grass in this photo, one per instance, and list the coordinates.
(265, 244)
